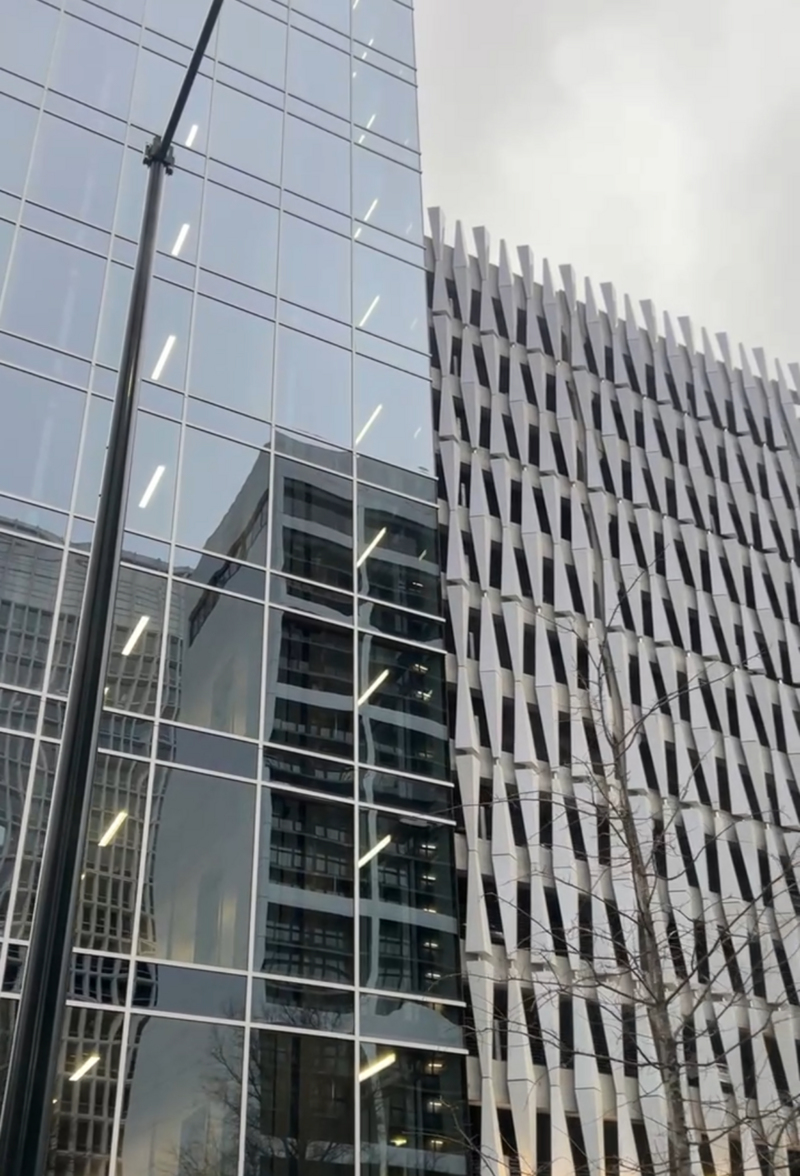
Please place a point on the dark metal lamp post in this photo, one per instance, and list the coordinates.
(27, 1109)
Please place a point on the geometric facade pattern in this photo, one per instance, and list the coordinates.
(622, 525)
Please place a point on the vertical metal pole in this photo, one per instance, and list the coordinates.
(27, 1109)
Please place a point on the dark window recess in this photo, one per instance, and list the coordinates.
(491, 494)
(523, 573)
(516, 502)
(523, 916)
(503, 649)
(712, 864)
(485, 429)
(500, 1024)
(534, 1027)
(511, 436)
(495, 565)
(599, 1040)
(486, 804)
(564, 740)
(452, 294)
(550, 392)
(585, 928)
(566, 519)
(546, 820)
(548, 581)
(533, 445)
(646, 1165)
(556, 922)
(500, 318)
(493, 910)
(515, 811)
(577, 1147)
(505, 1122)
(522, 326)
(558, 452)
(748, 1064)
(566, 1033)
(480, 364)
(630, 1052)
(541, 510)
(508, 725)
(475, 308)
(701, 961)
(611, 1147)
(480, 717)
(469, 552)
(603, 837)
(757, 975)
(474, 633)
(575, 827)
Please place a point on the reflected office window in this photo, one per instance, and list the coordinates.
(28, 584)
(137, 631)
(310, 772)
(401, 792)
(304, 918)
(385, 105)
(312, 533)
(238, 375)
(401, 705)
(398, 551)
(196, 900)
(389, 298)
(312, 391)
(240, 238)
(386, 194)
(409, 925)
(303, 1006)
(214, 676)
(16, 757)
(412, 1111)
(302, 1104)
(309, 701)
(67, 623)
(228, 513)
(39, 437)
(393, 422)
(182, 1099)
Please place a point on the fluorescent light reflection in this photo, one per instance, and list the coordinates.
(371, 209)
(190, 138)
(375, 414)
(375, 1067)
(85, 1067)
(180, 240)
(372, 118)
(370, 690)
(370, 309)
(141, 625)
(368, 550)
(151, 486)
(113, 829)
(163, 357)
(376, 849)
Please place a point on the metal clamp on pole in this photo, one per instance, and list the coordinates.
(28, 1105)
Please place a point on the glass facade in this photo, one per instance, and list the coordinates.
(266, 962)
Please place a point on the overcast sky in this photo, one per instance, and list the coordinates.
(652, 144)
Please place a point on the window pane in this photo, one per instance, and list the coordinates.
(313, 388)
(67, 624)
(166, 335)
(411, 1020)
(53, 293)
(302, 1100)
(14, 764)
(29, 31)
(19, 126)
(183, 1098)
(315, 268)
(409, 925)
(309, 699)
(28, 583)
(319, 74)
(238, 375)
(189, 990)
(157, 84)
(240, 238)
(93, 456)
(6, 235)
(387, 26)
(218, 643)
(152, 486)
(75, 172)
(246, 133)
(385, 105)
(308, 772)
(393, 419)
(402, 720)
(389, 298)
(41, 429)
(317, 165)
(299, 1005)
(132, 678)
(198, 866)
(386, 194)
(402, 541)
(335, 13)
(93, 66)
(181, 20)
(226, 514)
(312, 533)
(304, 919)
(253, 42)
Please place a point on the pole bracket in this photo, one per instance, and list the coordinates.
(153, 153)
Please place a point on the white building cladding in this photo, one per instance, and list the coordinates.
(625, 491)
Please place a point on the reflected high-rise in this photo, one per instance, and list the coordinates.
(265, 974)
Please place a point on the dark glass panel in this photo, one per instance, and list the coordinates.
(39, 438)
(395, 1019)
(302, 1006)
(313, 532)
(182, 1100)
(311, 598)
(19, 711)
(12, 977)
(421, 796)
(215, 572)
(406, 626)
(98, 979)
(28, 583)
(398, 551)
(125, 733)
(227, 513)
(196, 902)
(191, 991)
(412, 1107)
(307, 771)
(304, 917)
(201, 749)
(138, 628)
(309, 701)
(409, 924)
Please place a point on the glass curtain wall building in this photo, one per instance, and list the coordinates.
(265, 970)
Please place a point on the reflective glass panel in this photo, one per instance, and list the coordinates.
(157, 83)
(386, 194)
(301, 1112)
(41, 427)
(312, 392)
(317, 165)
(82, 1114)
(312, 532)
(75, 171)
(196, 901)
(237, 374)
(226, 513)
(387, 26)
(410, 1020)
(182, 1099)
(402, 718)
(409, 927)
(189, 991)
(93, 456)
(67, 624)
(28, 848)
(253, 42)
(303, 1006)
(385, 105)
(19, 123)
(240, 237)
(180, 212)
(412, 1111)
(29, 31)
(335, 13)
(215, 571)
(307, 771)
(398, 550)
(152, 486)
(28, 584)
(179, 20)
(216, 659)
(93, 66)
(63, 310)
(309, 701)
(201, 749)
(319, 74)
(393, 420)
(138, 625)
(315, 268)
(246, 133)
(389, 298)
(16, 757)
(304, 918)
